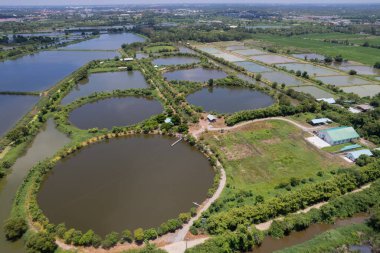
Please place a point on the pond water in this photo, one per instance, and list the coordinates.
(109, 41)
(363, 90)
(272, 58)
(253, 67)
(281, 77)
(343, 80)
(126, 183)
(107, 113)
(106, 82)
(186, 50)
(43, 70)
(314, 91)
(309, 56)
(13, 108)
(362, 70)
(271, 244)
(140, 56)
(195, 75)
(312, 70)
(249, 52)
(46, 143)
(229, 99)
(175, 60)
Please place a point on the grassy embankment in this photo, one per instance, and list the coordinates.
(259, 157)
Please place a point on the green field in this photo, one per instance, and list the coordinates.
(156, 49)
(365, 55)
(260, 156)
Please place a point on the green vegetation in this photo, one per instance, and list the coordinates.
(365, 55)
(331, 240)
(261, 156)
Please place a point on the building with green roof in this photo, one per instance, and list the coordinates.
(338, 135)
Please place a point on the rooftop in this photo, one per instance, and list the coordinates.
(358, 153)
(341, 133)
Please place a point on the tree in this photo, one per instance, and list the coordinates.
(41, 243)
(110, 240)
(377, 65)
(138, 234)
(126, 236)
(210, 82)
(374, 220)
(298, 73)
(87, 238)
(352, 72)
(15, 228)
(150, 234)
(258, 77)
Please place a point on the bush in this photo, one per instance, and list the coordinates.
(110, 240)
(126, 236)
(41, 243)
(374, 220)
(138, 234)
(15, 228)
(150, 234)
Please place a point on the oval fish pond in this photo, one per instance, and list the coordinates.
(175, 60)
(126, 183)
(195, 75)
(107, 113)
(229, 99)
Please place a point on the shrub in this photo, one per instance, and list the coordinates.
(110, 240)
(41, 243)
(126, 236)
(15, 228)
(150, 234)
(138, 234)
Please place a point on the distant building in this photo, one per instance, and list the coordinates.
(168, 120)
(320, 121)
(364, 107)
(354, 155)
(211, 118)
(327, 100)
(353, 110)
(126, 59)
(338, 135)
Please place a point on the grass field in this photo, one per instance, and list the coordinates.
(260, 156)
(156, 49)
(363, 55)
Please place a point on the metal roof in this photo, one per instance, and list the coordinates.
(350, 147)
(321, 121)
(341, 133)
(358, 153)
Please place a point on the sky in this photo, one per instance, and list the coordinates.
(109, 2)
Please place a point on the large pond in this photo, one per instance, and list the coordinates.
(43, 70)
(175, 60)
(107, 113)
(195, 75)
(111, 41)
(131, 182)
(13, 108)
(106, 82)
(46, 143)
(229, 99)
(271, 244)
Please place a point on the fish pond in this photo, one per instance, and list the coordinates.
(118, 111)
(195, 75)
(126, 183)
(229, 99)
(42, 70)
(99, 82)
(13, 108)
(109, 41)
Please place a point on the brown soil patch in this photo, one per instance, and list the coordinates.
(239, 151)
(271, 141)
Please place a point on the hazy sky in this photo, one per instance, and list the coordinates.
(105, 2)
